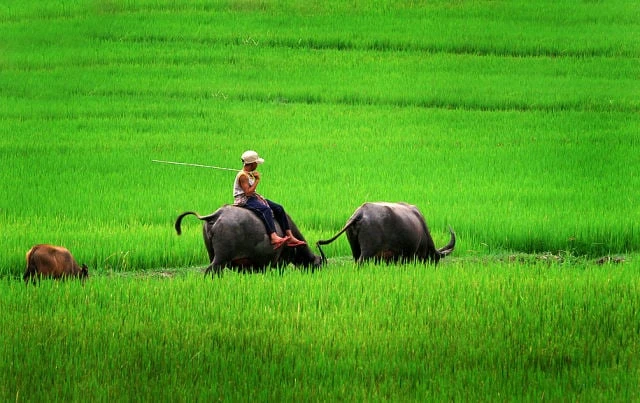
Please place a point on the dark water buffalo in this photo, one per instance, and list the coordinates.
(52, 261)
(236, 238)
(390, 232)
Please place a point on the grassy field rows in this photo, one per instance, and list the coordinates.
(522, 181)
(478, 330)
(516, 123)
(159, 70)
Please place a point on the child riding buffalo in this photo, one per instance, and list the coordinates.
(245, 195)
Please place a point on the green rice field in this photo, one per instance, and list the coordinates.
(515, 123)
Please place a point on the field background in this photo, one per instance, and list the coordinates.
(516, 123)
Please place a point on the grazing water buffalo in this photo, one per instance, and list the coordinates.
(52, 261)
(236, 238)
(390, 232)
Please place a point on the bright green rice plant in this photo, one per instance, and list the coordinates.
(520, 139)
(515, 123)
(469, 328)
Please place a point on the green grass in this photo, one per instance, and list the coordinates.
(532, 182)
(472, 330)
(515, 123)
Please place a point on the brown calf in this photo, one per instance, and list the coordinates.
(52, 261)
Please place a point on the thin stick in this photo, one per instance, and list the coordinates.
(195, 165)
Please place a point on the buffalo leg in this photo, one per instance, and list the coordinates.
(215, 268)
(355, 247)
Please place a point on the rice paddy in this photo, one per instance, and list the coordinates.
(514, 123)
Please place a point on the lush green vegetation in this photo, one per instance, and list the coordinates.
(468, 330)
(514, 122)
